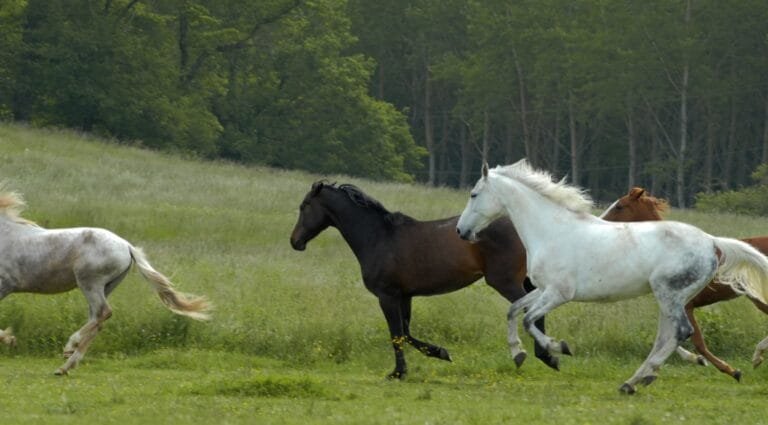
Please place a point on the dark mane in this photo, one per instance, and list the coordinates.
(363, 200)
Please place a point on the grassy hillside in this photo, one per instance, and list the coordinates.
(222, 230)
(295, 337)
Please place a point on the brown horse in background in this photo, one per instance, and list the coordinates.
(401, 257)
(637, 205)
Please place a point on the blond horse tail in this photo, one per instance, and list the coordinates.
(743, 267)
(192, 306)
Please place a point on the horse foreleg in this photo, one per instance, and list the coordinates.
(515, 345)
(701, 347)
(391, 306)
(548, 301)
(429, 350)
(6, 336)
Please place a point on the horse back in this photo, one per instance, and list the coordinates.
(52, 261)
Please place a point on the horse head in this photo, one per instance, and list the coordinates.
(313, 217)
(636, 205)
(482, 208)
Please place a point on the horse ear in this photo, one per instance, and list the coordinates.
(636, 192)
(485, 170)
(316, 186)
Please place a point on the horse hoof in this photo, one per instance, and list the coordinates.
(648, 380)
(60, 372)
(701, 361)
(443, 355)
(564, 348)
(554, 363)
(757, 362)
(737, 375)
(399, 375)
(520, 358)
(627, 389)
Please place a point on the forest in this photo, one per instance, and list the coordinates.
(668, 94)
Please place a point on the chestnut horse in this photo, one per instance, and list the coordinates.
(638, 205)
(401, 257)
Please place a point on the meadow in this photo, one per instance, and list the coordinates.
(295, 337)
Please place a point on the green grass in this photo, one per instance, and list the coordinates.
(295, 337)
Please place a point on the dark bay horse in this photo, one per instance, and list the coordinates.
(401, 257)
(638, 205)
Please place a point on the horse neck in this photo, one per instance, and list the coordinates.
(536, 218)
(360, 226)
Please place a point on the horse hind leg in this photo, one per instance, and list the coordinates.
(673, 329)
(98, 312)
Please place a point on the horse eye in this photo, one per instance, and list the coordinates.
(473, 195)
(618, 207)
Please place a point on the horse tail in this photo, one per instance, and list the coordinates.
(743, 267)
(192, 306)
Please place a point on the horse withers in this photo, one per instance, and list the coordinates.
(49, 261)
(639, 205)
(401, 257)
(575, 256)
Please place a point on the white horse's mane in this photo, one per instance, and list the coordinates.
(572, 197)
(11, 206)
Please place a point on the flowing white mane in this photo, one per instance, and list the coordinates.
(571, 197)
(11, 206)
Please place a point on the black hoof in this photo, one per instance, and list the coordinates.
(701, 361)
(397, 374)
(627, 389)
(648, 380)
(554, 363)
(520, 358)
(564, 348)
(443, 355)
(737, 375)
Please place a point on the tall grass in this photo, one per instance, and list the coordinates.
(221, 230)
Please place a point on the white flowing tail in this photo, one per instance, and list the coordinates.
(188, 305)
(743, 267)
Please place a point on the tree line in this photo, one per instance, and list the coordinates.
(668, 94)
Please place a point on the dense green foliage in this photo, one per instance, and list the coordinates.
(751, 200)
(295, 337)
(668, 94)
(266, 81)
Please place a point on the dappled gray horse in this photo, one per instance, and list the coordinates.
(34, 259)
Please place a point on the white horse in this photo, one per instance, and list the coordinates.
(575, 256)
(34, 259)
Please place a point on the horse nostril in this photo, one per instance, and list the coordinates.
(458, 231)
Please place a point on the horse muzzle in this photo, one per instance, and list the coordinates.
(467, 235)
(298, 245)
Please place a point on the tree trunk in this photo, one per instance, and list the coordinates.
(765, 133)
(681, 157)
(574, 143)
(529, 148)
(465, 156)
(429, 136)
(709, 153)
(556, 145)
(486, 135)
(730, 149)
(631, 145)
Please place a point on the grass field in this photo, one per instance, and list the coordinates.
(295, 337)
